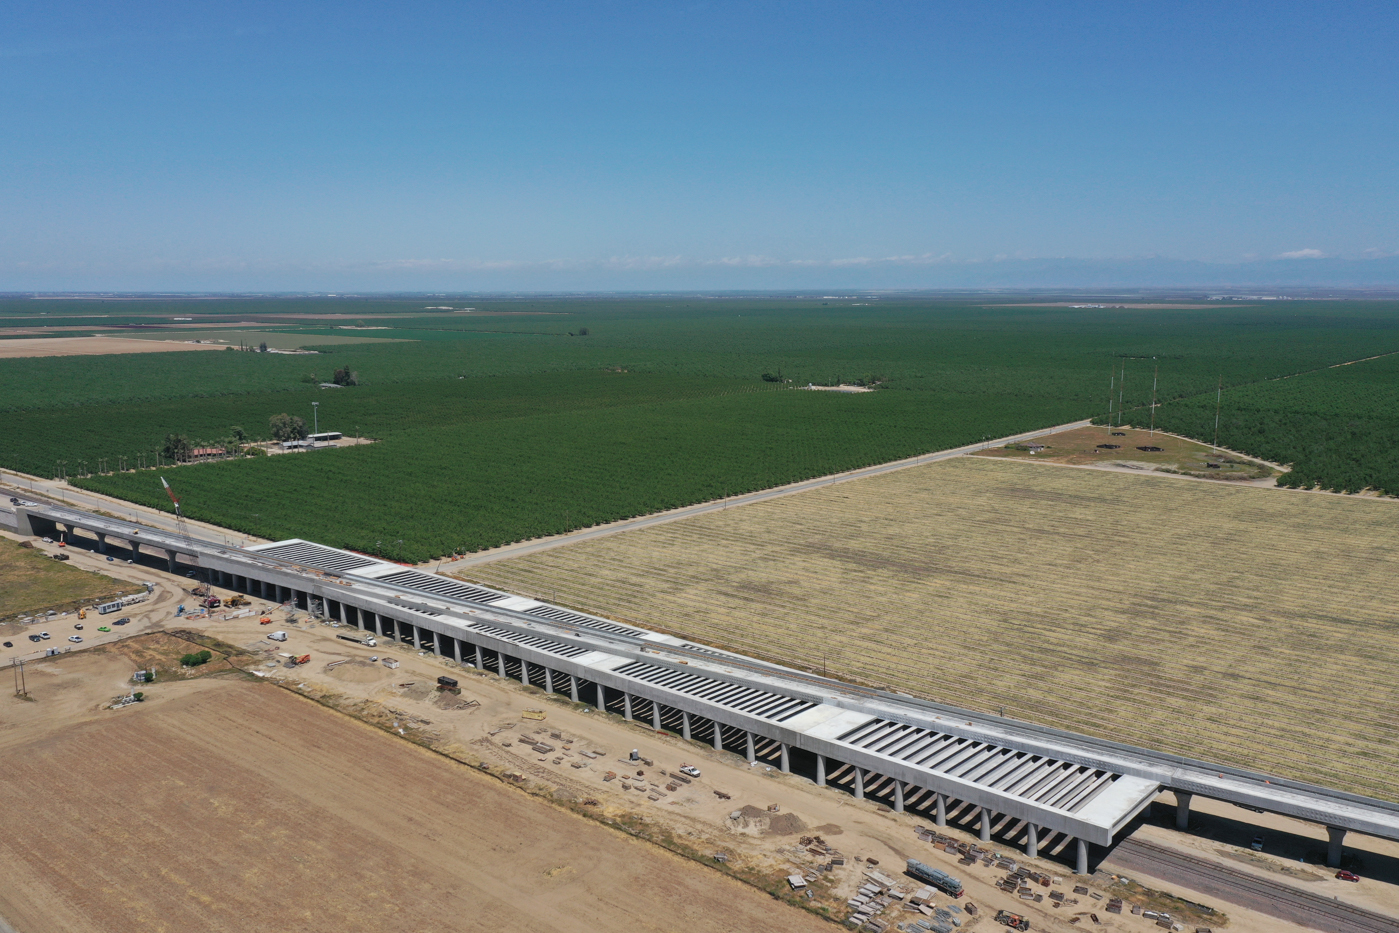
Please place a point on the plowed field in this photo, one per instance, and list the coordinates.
(223, 805)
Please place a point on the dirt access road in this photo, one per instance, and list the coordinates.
(223, 804)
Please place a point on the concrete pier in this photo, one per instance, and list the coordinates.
(626, 706)
(1183, 810)
(1032, 844)
(1081, 866)
(859, 783)
(685, 726)
(572, 685)
(718, 736)
(655, 716)
(748, 747)
(786, 759)
(820, 770)
(170, 560)
(1335, 846)
(898, 796)
(101, 543)
(986, 817)
(942, 810)
(548, 680)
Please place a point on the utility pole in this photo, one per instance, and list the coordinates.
(315, 418)
(1154, 374)
(1218, 398)
(21, 687)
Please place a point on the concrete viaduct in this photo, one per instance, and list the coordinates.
(1049, 792)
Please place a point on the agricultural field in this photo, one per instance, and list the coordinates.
(321, 823)
(1338, 427)
(1245, 625)
(532, 417)
(31, 581)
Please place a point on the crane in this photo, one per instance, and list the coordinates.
(179, 517)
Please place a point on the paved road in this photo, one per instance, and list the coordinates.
(587, 534)
(1247, 890)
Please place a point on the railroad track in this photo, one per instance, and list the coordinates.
(1248, 890)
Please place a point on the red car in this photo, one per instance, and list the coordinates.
(1347, 875)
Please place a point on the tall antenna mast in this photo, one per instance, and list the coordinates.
(1112, 384)
(1218, 397)
(1120, 383)
(1154, 374)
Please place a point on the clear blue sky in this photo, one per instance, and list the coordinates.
(283, 145)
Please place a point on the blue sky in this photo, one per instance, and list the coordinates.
(255, 146)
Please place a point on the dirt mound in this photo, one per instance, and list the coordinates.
(785, 824)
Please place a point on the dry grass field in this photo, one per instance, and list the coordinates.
(92, 346)
(32, 581)
(224, 805)
(1245, 625)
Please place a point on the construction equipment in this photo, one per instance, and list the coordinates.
(533, 714)
(448, 685)
(265, 620)
(304, 659)
(211, 602)
(1014, 921)
(233, 602)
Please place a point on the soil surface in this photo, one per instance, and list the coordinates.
(93, 346)
(223, 804)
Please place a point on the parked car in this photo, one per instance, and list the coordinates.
(44, 636)
(48, 540)
(1257, 844)
(75, 638)
(124, 620)
(1344, 875)
(110, 559)
(691, 770)
(9, 644)
(103, 628)
(78, 626)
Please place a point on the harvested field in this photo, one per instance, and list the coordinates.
(1245, 625)
(220, 804)
(93, 346)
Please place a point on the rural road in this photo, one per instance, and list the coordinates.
(1239, 887)
(522, 548)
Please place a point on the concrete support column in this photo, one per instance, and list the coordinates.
(655, 716)
(748, 747)
(942, 810)
(417, 637)
(626, 706)
(898, 796)
(718, 737)
(986, 816)
(456, 650)
(1335, 846)
(170, 559)
(786, 759)
(859, 783)
(480, 661)
(101, 543)
(1032, 844)
(500, 663)
(601, 698)
(135, 550)
(820, 770)
(1183, 810)
(524, 672)
(573, 688)
(548, 680)
(685, 726)
(1081, 868)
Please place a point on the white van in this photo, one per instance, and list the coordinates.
(278, 636)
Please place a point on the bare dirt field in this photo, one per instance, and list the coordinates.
(92, 346)
(1246, 625)
(220, 804)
